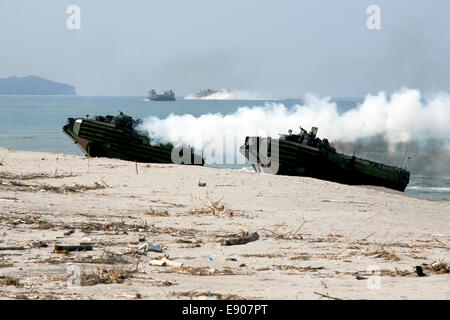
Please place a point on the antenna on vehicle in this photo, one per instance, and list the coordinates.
(354, 150)
(407, 162)
(404, 155)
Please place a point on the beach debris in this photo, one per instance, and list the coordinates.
(203, 271)
(166, 262)
(68, 248)
(327, 296)
(285, 232)
(86, 241)
(264, 255)
(142, 239)
(382, 253)
(137, 296)
(116, 275)
(246, 238)
(33, 176)
(114, 226)
(190, 243)
(12, 248)
(39, 244)
(20, 186)
(440, 267)
(150, 247)
(419, 271)
(214, 208)
(201, 184)
(165, 283)
(194, 294)
(297, 268)
(159, 263)
(9, 281)
(156, 213)
(68, 233)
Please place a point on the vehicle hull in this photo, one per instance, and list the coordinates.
(296, 159)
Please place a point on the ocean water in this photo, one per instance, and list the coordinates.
(35, 123)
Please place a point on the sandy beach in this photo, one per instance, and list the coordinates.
(317, 239)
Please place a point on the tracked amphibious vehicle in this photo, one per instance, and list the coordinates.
(118, 137)
(304, 154)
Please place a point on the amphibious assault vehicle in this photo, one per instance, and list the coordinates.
(304, 154)
(166, 96)
(118, 137)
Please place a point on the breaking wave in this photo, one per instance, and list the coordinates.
(429, 189)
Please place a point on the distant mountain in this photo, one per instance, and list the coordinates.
(33, 85)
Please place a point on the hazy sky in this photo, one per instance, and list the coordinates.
(276, 48)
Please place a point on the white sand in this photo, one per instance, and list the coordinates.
(335, 229)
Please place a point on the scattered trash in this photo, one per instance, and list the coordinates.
(68, 233)
(150, 247)
(230, 259)
(67, 248)
(210, 259)
(86, 241)
(166, 262)
(160, 263)
(440, 267)
(419, 271)
(142, 239)
(246, 238)
(358, 277)
(201, 184)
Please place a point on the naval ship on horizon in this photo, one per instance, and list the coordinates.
(168, 95)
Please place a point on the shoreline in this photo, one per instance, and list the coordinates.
(315, 236)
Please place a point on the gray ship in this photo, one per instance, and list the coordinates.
(166, 96)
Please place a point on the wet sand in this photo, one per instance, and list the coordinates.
(317, 239)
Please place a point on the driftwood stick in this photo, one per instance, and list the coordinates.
(12, 248)
(66, 248)
(243, 240)
(327, 296)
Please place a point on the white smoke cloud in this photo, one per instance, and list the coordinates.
(226, 94)
(401, 117)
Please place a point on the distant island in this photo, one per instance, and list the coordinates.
(33, 85)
